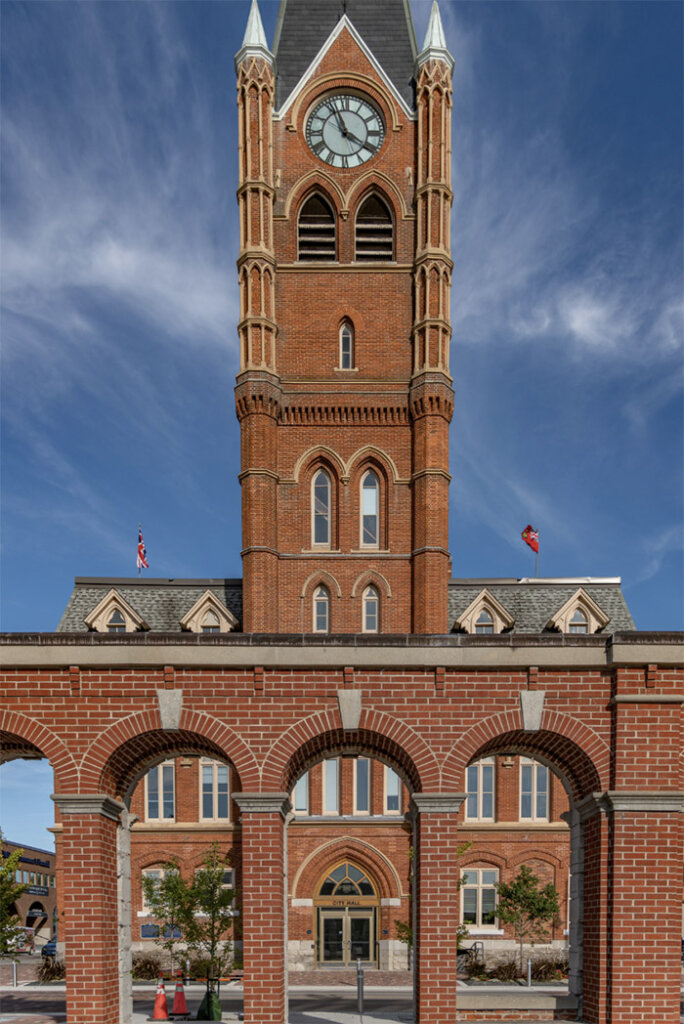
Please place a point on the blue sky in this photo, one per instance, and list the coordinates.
(119, 296)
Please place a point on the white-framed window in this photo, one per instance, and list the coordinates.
(210, 622)
(578, 623)
(480, 790)
(534, 791)
(484, 623)
(370, 510)
(392, 791)
(478, 897)
(331, 786)
(346, 346)
(321, 610)
(160, 797)
(156, 874)
(321, 490)
(362, 785)
(116, 623)
(300, 795)
(215, 791)
(371, 610)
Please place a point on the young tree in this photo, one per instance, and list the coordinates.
(211, 931)
(10, 891)
(171, 902)
(527, 906)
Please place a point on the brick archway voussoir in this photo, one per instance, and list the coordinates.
(38, 735)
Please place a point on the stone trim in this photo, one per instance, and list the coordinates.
(89, 803)
(647, 698)
(532, 709)
(170, 707)
(619, 800)
(349, 702)
(437, 803)
(263, 803)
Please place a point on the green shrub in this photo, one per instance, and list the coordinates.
(506, 970)
(199, 967)
(146, 966)
(51, 970)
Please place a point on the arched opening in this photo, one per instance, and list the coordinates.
(346, 912)
(316, 230)
(374, 231)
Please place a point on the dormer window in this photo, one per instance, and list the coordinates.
(116, 622)
(209, 615)
(374, 231)
(578, 623)
(484, 616)
(210, 623)
(114, 614)
(579, 615)
(484, 622)
(316, 235)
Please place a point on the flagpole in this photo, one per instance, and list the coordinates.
(139, 532)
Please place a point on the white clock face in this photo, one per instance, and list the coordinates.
(345, 131)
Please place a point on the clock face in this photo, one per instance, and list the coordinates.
(345, 131)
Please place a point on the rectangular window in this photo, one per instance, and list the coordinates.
(17, 875)
(480, 789)
(215, 783)
(25, 877)
(534, 791)
(392, 792)
(478, 897)
(331, 786)
(362, 790)
(300, 796)
(159, 783)
(156, 874)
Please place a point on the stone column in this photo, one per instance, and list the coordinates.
(123, 865)
(437, 905)
(595, 828)
(89, 878)
(262, 819)
(576, 921)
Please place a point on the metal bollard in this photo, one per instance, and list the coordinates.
(359, 986)
(14, 974)
(529, 974)
(187, 972)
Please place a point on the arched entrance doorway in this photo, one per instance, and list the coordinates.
(346, 912)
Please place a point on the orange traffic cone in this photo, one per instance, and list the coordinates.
(161, 1011)
(180, 1006)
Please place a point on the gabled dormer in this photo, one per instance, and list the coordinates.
(579, 615)
(485, 615)
(114, 614)
(208, 615)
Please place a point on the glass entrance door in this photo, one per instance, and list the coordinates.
(346, 935)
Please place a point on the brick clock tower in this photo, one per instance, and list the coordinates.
(344, 396)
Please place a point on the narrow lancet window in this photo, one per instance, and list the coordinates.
(370, 493)
(321, 509)
(346, 347)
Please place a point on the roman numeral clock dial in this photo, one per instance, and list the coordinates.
(345, 131)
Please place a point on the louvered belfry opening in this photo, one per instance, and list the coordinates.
(316, 230)
(374, 231)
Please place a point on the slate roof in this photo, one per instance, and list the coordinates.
(385, 26)
(162, 603)
(532, 602)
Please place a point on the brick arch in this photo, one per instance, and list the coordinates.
(316, 181)
(21, 736)
(365, 580)
(527, 855)
(119, 757)
(483, 857)
(370, 456)
(358, 851)
(321, 735)
(319, 453)
(314, 579)
(377, 181)
(564, 743)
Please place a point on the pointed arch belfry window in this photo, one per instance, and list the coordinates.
(370, 510)
(321, 610)
(347, 346)
(321, 498)
(316, 230)
(374, 231)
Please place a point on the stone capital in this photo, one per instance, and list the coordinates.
(437, 803)
(89, 803)
(668, 801)
(263, 803)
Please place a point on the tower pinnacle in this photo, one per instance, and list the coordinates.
(434, 45)
(254, 43)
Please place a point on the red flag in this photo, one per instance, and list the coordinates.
(531, 537)
(142, 551)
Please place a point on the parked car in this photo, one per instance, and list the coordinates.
(49, 949)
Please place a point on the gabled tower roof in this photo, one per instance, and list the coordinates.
(385, 26)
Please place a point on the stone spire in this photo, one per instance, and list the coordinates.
(434, 46)
(254, 43)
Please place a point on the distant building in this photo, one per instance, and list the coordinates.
(37, 907)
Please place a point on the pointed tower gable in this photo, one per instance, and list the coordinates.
(384, 29)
